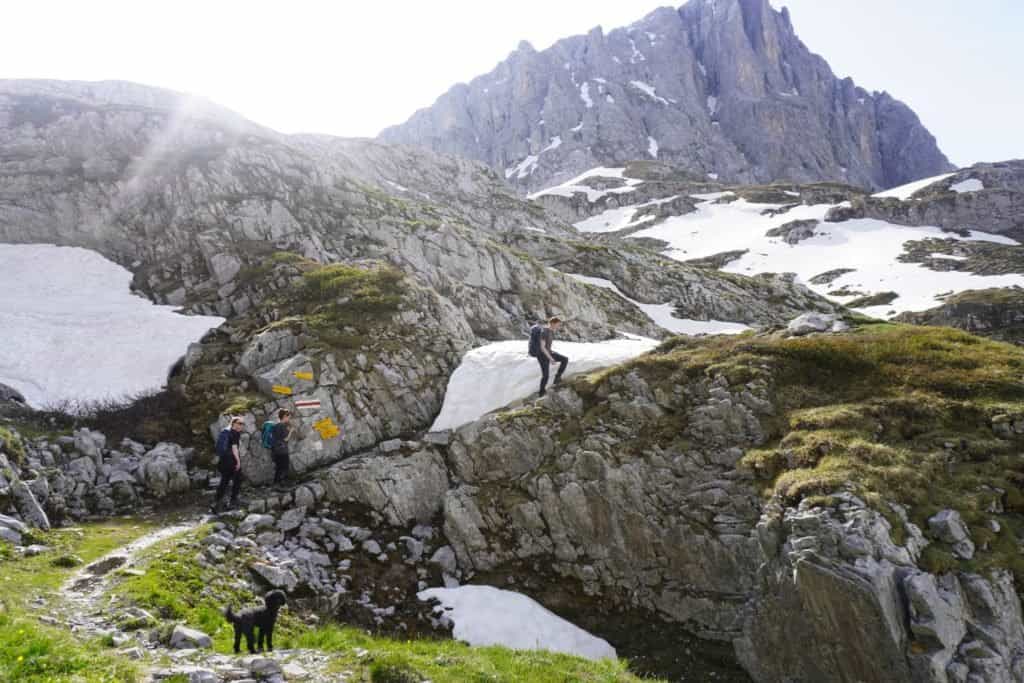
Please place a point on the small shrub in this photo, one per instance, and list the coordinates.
(11, 444)
(395, 670)
(66, 561)
(938, 560)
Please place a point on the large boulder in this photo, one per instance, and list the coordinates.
(274, 576)
(90, 444)
(949, 527)
(163, 470)
(403, 489)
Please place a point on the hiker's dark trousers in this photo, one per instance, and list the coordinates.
(282, 463)
(545, 366)
(229, 476)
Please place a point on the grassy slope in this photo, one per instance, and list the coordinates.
(31, 651)
(897, 413)
(175, 587)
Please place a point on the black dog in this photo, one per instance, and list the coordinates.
(263, 618)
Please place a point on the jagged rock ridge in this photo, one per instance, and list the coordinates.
(721, 87)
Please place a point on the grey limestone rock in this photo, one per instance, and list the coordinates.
(403, 489)
(721, 87)
(163, 470)
(950, 528)
(809, 323)
(278, 577)
(183, 638)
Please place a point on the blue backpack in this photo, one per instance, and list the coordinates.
(267, 434)
(223, 447)
(535, 332)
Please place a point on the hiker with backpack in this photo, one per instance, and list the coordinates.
(229, 463)
(275, 437)
(541, 339)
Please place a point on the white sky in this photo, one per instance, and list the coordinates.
(351, 69)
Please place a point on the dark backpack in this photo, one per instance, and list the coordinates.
(223, 447)
(267, 434)
(535, 333)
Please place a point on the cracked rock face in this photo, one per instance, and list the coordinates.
(722, 87)
(668, 531)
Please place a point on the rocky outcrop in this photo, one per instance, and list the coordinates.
(764, 300)
(996, 313)
(794, 231)
(721, 87)
(642, 489)
(197, 201)
(286, 236)
(75, 477)
(987, 197)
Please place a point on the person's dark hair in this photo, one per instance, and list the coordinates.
(554, 321)
(283, 413)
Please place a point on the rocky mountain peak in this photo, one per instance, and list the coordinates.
(717, 87)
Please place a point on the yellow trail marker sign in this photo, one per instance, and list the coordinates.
(279, 389)
(304, 375)
(326, 428)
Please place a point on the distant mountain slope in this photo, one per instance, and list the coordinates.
(721, 87)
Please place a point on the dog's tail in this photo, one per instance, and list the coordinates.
(229, 614)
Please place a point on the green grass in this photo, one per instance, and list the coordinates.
(997, 296)
(31, 651)
(448, 661)
(176, 588)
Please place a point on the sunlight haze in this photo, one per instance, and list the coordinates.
(351, 70)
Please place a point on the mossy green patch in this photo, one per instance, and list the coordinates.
(877, 299)
(12, 445)
(898, 413)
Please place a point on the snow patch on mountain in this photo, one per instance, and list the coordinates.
(523, 168)
(494, 375)
(648, 90)
(621, 218)
(585, 95)
(871, 247)
(571, 187)
(652, 147)
(485, 615)
(73, 330)
(664, 315)
(556, 142)
(904, 191)
(969, 185)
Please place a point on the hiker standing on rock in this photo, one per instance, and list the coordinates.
(279, 445)
(541, 339)
(229, 463)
